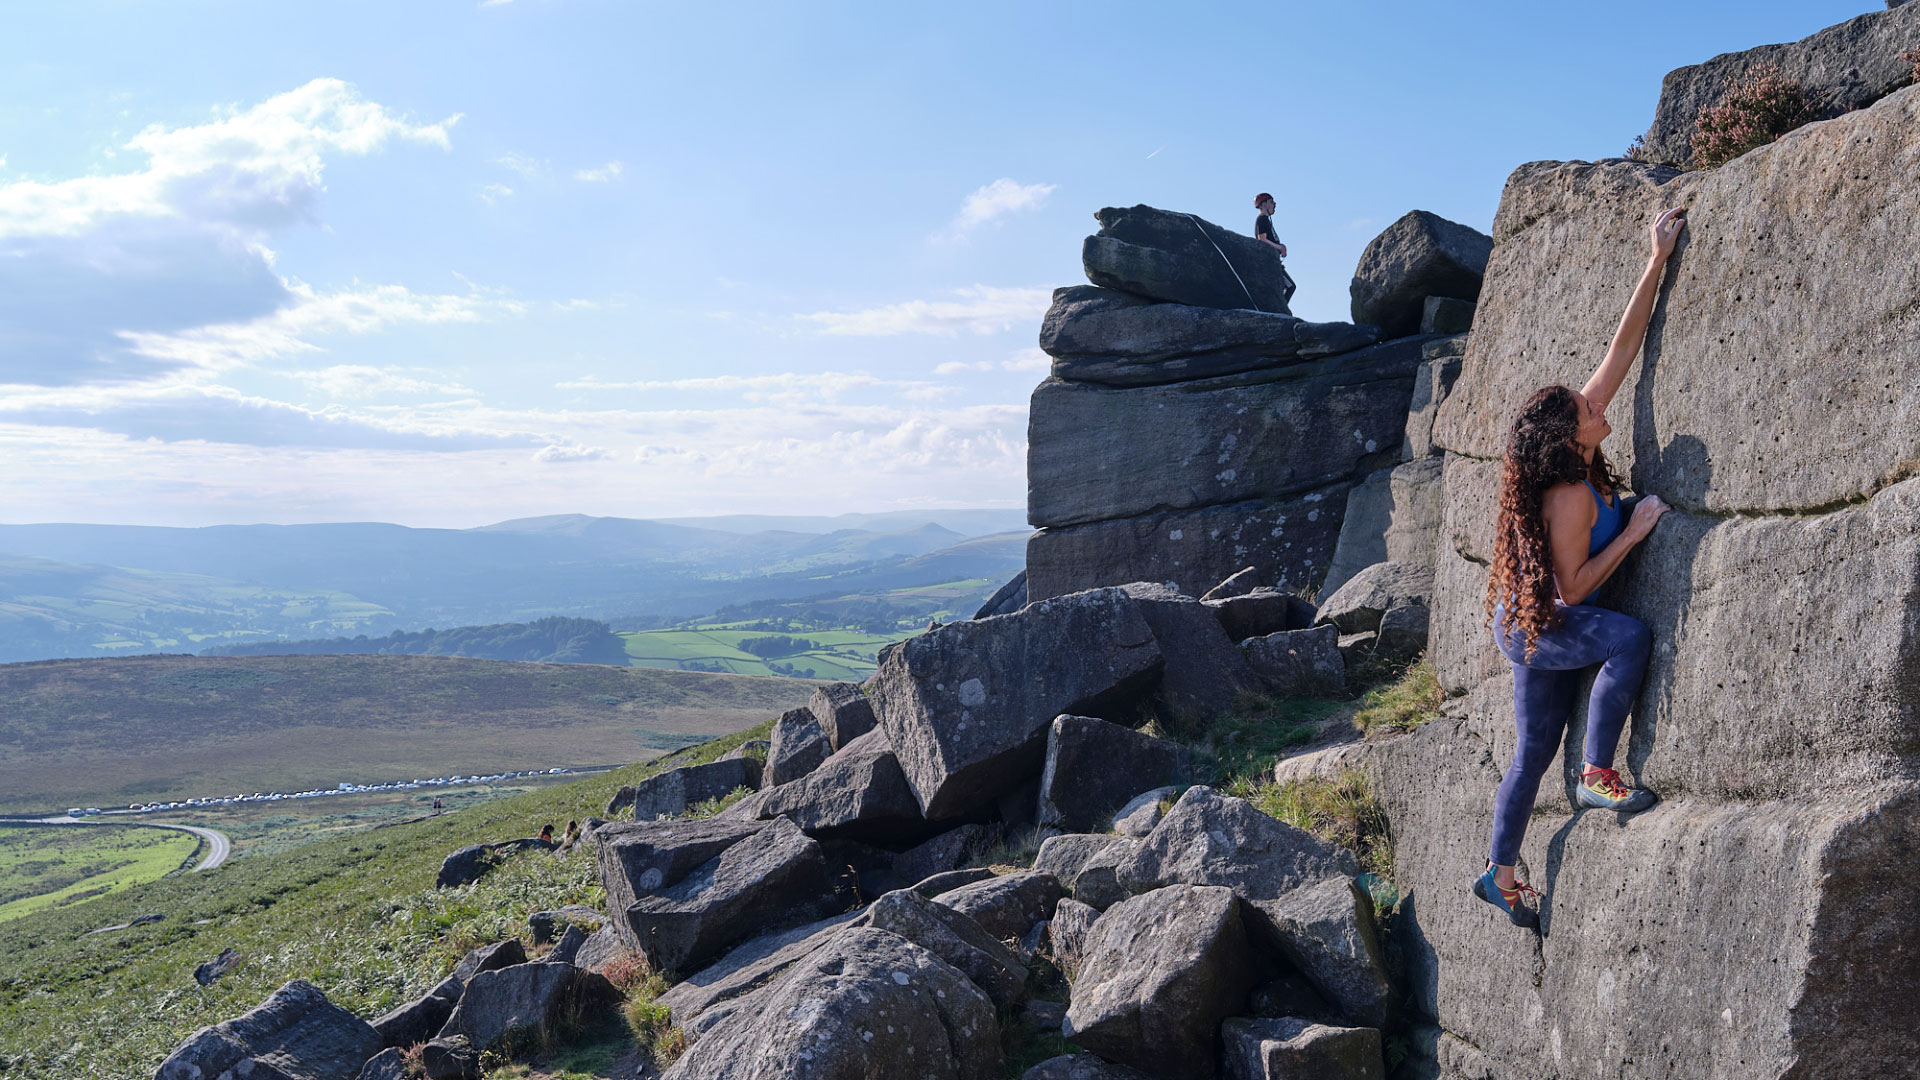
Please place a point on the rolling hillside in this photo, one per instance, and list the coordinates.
(147, 728)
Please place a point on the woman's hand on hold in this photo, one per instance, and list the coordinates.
(1665, 231)
(1645, 513)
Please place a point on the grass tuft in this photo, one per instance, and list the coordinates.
(1240, 750)
(1401, 706)
(652, 1022)
(1341, 810)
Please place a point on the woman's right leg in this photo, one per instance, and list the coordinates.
(1542, 700)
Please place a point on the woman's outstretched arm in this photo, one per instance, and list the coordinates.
(1627, 339)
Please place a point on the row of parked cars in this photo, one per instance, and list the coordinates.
(339, 789)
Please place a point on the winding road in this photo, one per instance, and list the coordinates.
(218, 846)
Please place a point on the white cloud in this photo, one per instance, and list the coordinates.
(610, 171)
(1029, 360)
(519, 163)
(92, 264)
(981, 309)
(789, 387)
(362, 381)
(359, 310)
(998, 199)
(559, 452)
(249, 168)
(492, 193)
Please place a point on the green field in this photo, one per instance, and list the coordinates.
(356, 913)
(43, 866)
(109, 732)
(844, 633)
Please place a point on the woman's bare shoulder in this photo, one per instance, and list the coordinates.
(1569, 500)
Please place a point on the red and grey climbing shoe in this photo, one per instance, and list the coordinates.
(1517, 903)
(1603, 789)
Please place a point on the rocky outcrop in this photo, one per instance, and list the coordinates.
(1093, 768)
(1289, 1048)
(669, 793)
(1778, 715)
(842, 711)
(680, 909)
(475, 861)
(869, 1004)
(956, 939)
(1421, 255)
(749, 967)
(1157, 975)
(1009, 905)
(527, 1003)
(1182, 259)
(1006, 600)
(1088, 865)
(296, 1033)
(1841, 68)
(1264, 434)
(1360, 604)
(967, 706)
(1113, 338)
(799, 746)
(1299, 663)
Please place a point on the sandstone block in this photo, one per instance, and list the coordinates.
(1418, 256)
(1183, 259)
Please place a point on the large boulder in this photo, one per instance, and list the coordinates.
(1067, 931)
(799, 746)
(1419, 506)
(296, 1034)
(869, 1004)
(475, 861)
(1326, 931)
(1363, 530)
(955, 938)
(1093, 767)
(549, 924)
(772, 876)
(1264, 434)
(422, 1018)
(1179, 258)
(1087, 864)
(1440, 362)
(1203, 674)
(948, 851)
(1261, 611)
(1007, 599)
(1287, 539)
(1358, 606)
(1007, 906)
(842, 711)
(1157, 975)
(966, 706)
(1418, 256)
(527, 1004)
(1841, 68)
(852, 795)
(1143, 812)
(749, 967)
(1299, 663)
(1293, 1049)
(1213, 839)
(1117, 339)
(639, 859)
(670, 793)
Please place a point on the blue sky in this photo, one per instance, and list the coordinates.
(452, 263)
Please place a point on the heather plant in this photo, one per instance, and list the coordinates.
(1912, 56)
(1757, 110)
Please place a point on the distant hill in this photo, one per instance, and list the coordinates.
(146, 728)
(68, 590)
(555, 639)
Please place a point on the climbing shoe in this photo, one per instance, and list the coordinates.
(1603, 789)
(1512, 902)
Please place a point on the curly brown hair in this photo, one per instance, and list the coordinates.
(1541, 452)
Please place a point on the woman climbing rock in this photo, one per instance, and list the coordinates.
(1562, 532)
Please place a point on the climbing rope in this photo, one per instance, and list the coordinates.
(1229, 262)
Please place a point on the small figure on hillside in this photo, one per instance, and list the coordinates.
(546, 834)
(571, 837)
(436, 804)
(1263, 232)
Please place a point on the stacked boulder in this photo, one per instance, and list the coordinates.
(1192, 426)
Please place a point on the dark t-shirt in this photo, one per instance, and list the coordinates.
(1263, 228)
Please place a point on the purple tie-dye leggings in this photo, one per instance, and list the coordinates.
(1543, 701)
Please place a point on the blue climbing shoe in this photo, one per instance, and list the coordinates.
(1512, 902)
(1603, 789)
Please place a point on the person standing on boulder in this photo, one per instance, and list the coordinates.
(1562, 532)
(1263, 232)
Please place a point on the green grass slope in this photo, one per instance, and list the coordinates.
(357, 915)
(150, 728)
(43, 866)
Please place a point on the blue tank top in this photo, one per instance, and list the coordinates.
(1606, 525)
